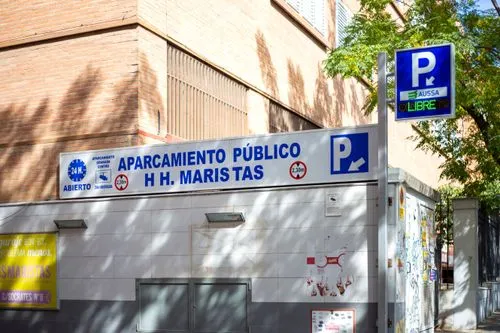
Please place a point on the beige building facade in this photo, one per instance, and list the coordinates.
(81, 75)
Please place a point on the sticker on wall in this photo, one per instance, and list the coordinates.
(333, 321)
(433, 275)
(326, 276)
(332, 204)
(425, 275)
(414, 261)
(400, 326)
(402, 196)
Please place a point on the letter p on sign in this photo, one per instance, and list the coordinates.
(341, 149)
(416, 71)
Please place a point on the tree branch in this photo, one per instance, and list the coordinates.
(482, 125)
(495, 4)
(428, 141)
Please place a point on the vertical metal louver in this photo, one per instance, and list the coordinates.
(202, 103)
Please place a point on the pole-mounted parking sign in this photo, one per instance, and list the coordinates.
(425, 82)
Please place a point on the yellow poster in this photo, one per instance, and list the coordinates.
(28, 271)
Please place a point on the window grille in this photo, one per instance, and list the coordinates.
(202, 103)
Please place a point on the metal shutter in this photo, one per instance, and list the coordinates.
(319, 16)
(194, 305)
(220, 307)
(343, 18)
(311, 10)
(163, 307)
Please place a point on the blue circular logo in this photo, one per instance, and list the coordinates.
(77, 170)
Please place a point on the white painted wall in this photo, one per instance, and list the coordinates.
(168, 237)
(465, 275)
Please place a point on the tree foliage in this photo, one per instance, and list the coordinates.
(469, 143)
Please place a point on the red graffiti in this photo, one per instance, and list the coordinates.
(329, 261)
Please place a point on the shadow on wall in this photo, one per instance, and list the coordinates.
(331, 24)
(357, 114)
(151, 110)
(296, 89)
(125, 236)
(267, 69)
(338, 86)
(323, 102)
(32, 139)
(328, 107)
(457, 306)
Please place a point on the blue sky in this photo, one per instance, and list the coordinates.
(484, 4)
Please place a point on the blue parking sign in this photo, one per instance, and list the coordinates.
(349, 153)
(425, 82)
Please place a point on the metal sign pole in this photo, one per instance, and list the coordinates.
(382, 306)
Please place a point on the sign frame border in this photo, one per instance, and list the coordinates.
(452, 83)
(371, 129)
(353, 310)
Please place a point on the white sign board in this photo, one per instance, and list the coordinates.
(309, 157)
(333, 321)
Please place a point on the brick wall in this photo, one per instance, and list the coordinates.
(20, 20)
(31, 172)
(62, 96)
(152, 83)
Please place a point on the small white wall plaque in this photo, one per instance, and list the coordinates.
(333, 321)
(332, 204)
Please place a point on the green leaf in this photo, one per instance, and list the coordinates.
(469, 143)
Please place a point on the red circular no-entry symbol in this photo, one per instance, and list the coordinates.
(298, 170)
(121, 182)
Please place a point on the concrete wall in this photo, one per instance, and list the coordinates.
(495, 295)
(403, 154)
(445, 319)
(465, 275)
(468, 304)
(262, 44)
(153, 13)
(168, 237)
